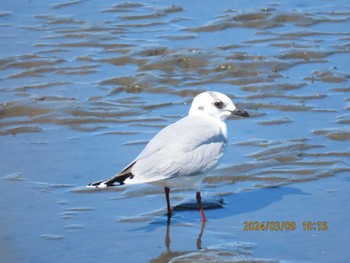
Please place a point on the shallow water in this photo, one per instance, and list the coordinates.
(85, 84)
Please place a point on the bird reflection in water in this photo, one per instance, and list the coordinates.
(168, 254)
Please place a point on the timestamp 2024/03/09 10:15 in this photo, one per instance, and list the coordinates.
(284, 225)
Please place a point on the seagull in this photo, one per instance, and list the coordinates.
(183, 152)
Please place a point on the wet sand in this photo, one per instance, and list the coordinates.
(85, 85)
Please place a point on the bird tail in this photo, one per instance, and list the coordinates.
(118, 178)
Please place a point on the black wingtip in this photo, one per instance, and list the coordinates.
(97, 184)
(103, 184)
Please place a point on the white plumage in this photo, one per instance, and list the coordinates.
(186, 148)
(190, 146)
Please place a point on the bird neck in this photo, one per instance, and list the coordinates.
(219, 122)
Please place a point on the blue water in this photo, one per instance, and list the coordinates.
(85, 84)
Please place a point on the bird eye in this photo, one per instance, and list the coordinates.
(219, 104)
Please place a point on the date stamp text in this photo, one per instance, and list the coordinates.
(284, 226)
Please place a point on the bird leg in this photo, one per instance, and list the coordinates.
(199, 239)
(166, 191)
(199, 202)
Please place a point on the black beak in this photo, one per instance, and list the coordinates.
(240, 112)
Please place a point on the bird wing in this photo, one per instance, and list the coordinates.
(190, 146)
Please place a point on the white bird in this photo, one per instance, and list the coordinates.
(182, 151)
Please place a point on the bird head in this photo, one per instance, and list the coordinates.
(216, 105)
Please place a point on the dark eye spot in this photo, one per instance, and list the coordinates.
(219, 104)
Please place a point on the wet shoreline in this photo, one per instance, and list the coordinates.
(85, 85)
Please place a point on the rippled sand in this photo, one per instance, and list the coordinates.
(84, 85)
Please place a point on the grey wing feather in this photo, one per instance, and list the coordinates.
(189, 146)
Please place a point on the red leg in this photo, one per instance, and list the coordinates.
(166, 191)
(199, 202)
